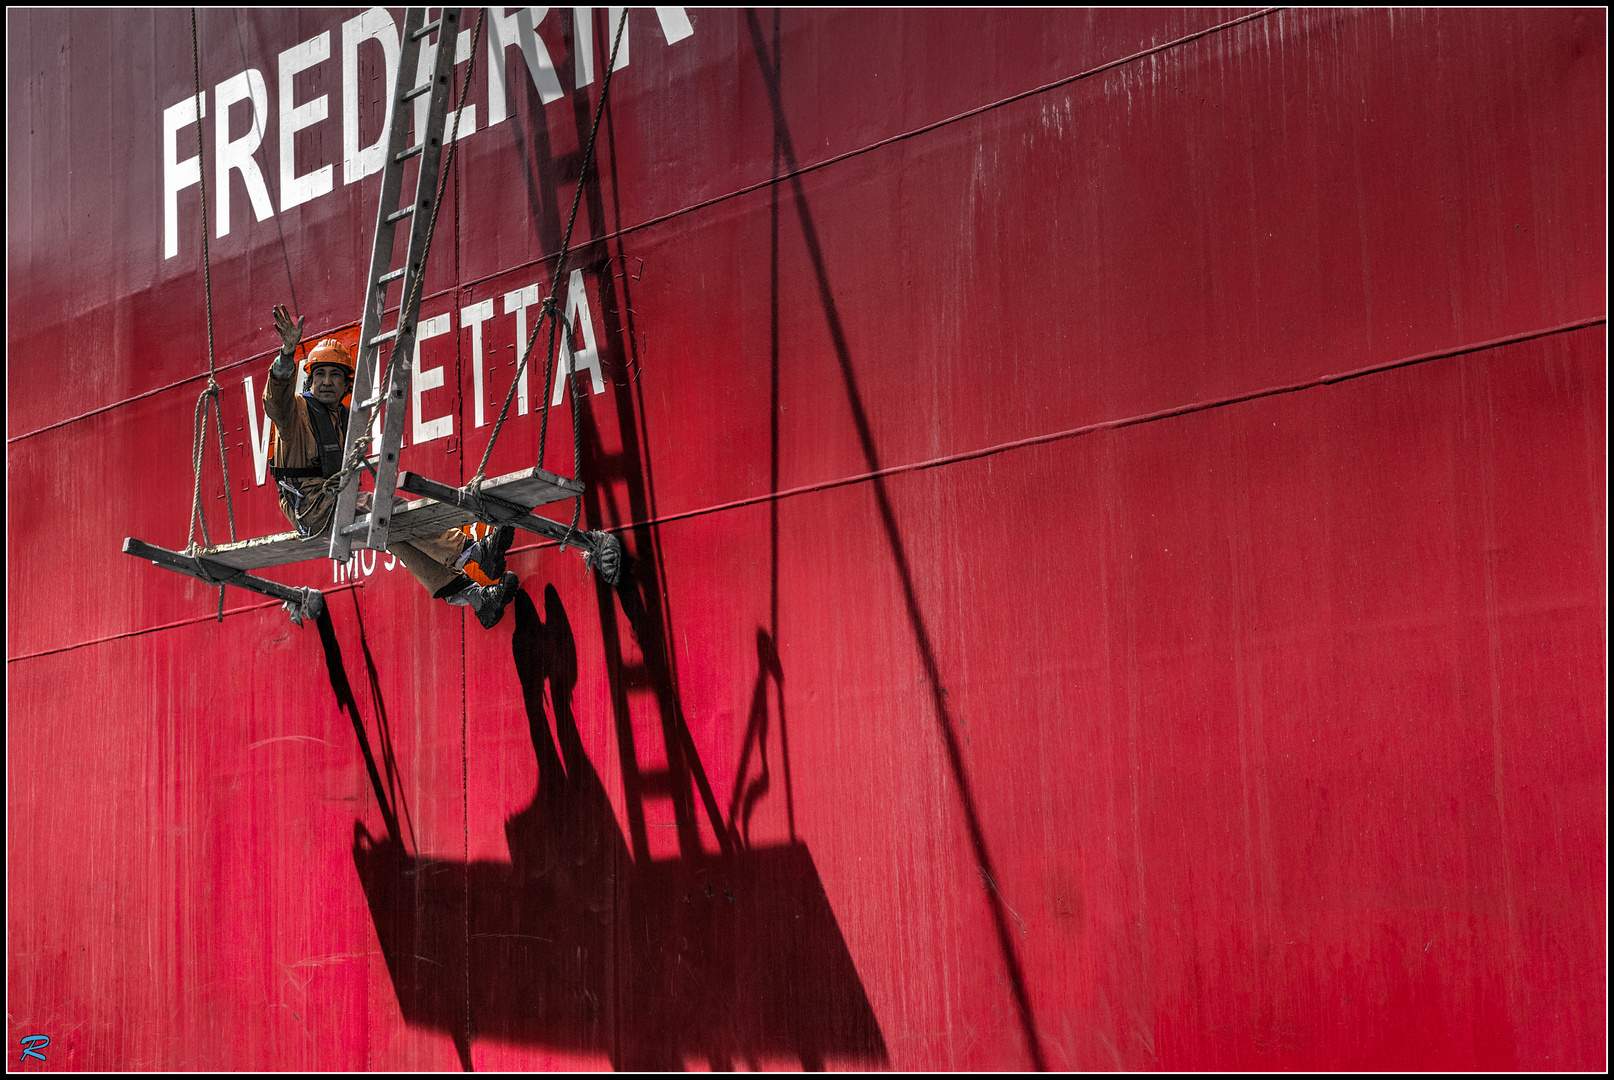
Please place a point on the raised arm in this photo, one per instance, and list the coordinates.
(279, 391)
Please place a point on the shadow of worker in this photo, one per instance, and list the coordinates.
(518, 951)
(573, 946)
(567, 836)
(548, 932)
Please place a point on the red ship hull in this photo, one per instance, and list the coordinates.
(1115, 506)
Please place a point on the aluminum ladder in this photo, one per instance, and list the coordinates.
(370, 530)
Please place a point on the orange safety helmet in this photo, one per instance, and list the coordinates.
(330, 351)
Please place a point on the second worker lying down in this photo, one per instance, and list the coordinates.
(463, 566)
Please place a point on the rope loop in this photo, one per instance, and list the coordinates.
(210, 393)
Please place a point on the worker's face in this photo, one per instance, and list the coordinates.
(328, 384)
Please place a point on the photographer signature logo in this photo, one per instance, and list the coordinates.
(32, 1045)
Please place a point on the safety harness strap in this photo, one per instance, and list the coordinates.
(327, 435)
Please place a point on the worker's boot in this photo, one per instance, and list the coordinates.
(488, 601)
(483, 561)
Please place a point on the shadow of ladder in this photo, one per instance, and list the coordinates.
(642, 676)
(618, 478)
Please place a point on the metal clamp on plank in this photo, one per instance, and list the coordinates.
(300, 603)
(600, 550)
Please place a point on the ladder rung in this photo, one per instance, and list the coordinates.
(429, 28)
(411, 152)
(658, 782)
(379, 338)
(391, 275)
(611, 464)
(369, 403)
(359, 525)
(400, 215)
(423, 88)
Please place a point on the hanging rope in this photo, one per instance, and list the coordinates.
(577, 444)
(356, 455)
(550, 311)
(210, 395)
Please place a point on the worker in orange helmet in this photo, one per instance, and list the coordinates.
(462, 566)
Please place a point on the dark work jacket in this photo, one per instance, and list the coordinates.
(298, 446)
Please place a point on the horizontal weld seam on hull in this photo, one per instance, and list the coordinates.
(1107, 425)
(714, 200)
(256, 358)
(900, 136)
(168, 626)
(966, 455)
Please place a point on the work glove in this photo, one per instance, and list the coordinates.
(290, 334)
